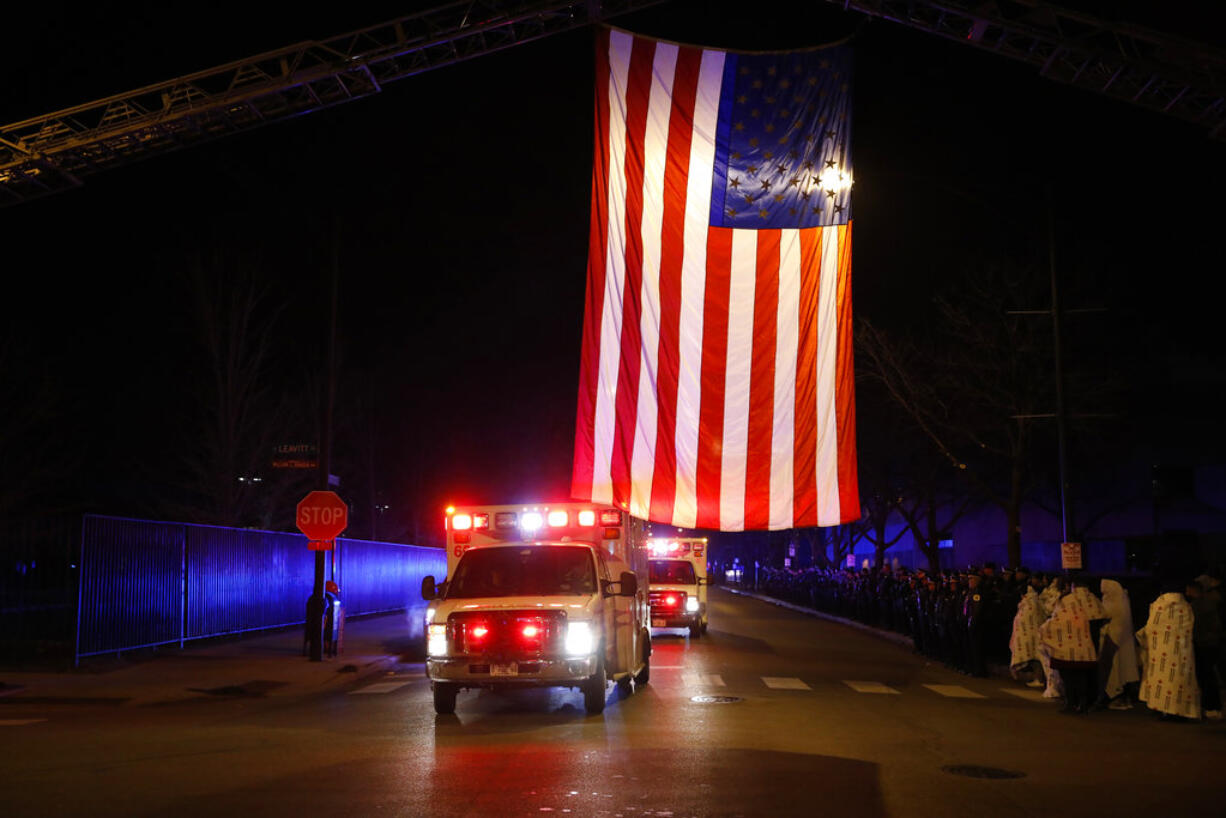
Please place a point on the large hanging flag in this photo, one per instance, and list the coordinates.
(716, 383)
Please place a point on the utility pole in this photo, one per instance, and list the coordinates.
(1066, 486)
(315, 613)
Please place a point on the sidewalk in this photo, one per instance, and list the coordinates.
(266, 664)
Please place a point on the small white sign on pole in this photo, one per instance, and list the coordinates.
(1070, 556)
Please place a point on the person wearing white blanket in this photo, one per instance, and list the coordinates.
(1168, 678)
(1067, 637)
(1116, 647)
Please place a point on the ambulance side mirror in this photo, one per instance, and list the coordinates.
(428, 589)
(629, 584)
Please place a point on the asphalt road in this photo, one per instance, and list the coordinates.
(828, 720)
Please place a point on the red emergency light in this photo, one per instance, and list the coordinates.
(587, 517)
(557, 519)
(611, 517)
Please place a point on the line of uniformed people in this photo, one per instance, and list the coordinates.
(962, 619)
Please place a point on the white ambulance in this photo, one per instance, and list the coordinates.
(677, 589)
(539, 596)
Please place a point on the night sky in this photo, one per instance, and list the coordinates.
(460, 198)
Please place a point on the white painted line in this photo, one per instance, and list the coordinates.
(381, 687)
(784, 683)
(870, 687)
(704, 680)
(1030, 695)
(18, 722)
(954, 691)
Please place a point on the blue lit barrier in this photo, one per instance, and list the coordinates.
(146, 583)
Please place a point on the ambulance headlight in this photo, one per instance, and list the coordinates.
(691, 604)
(580, 640)
(436, 641)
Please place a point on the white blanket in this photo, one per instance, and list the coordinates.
(1066, 633)
(1124, 665)
(1024, 643)
(1168, 680)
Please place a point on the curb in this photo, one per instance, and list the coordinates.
(897, 638)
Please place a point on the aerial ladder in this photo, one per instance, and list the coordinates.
(53, 152)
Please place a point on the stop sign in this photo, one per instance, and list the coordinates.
(322, 515)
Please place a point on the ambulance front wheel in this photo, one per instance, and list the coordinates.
(594, 689)
(696, 630)
(444, 698)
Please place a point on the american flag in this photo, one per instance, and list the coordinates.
(716, 383)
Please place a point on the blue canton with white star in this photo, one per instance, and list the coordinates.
(784, 119)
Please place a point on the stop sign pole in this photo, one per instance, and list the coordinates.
(321, 516)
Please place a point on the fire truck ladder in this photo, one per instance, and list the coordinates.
(1178, 77)
(51, 153)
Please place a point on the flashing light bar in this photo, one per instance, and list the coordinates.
(587, 517)
(558, 518)
(506, 519)
(481, 521)
(462, 522)
(611, 517)
(531, 521)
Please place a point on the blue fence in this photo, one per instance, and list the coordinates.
(146, 583)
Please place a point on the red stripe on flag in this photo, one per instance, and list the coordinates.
(804, 445)
(672, 252)
(638, 94)
(762, 382)
(714, 365)
(589, 360)
(844, 391)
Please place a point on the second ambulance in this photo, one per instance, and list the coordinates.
(678, 583)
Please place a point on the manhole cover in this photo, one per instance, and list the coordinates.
(715, 699)
(975, 771)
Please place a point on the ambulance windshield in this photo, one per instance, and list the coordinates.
(535, 570)
(672, 572)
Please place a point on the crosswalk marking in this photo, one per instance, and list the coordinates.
(381, 687)
(784, 683)
(704, 680)
(870, 687)
(1023, 693)
(18, 722)
(954, 691)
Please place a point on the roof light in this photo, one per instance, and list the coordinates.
(558, 518)
(505, 519)
(611, 517)
(462, 522)
(481, 521)
(587, 517)
(530, 521)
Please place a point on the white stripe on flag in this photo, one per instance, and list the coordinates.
(655, 152)
(620, 45)
(694, 284)
(787, 336)
(828, 509)
(736, 384)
